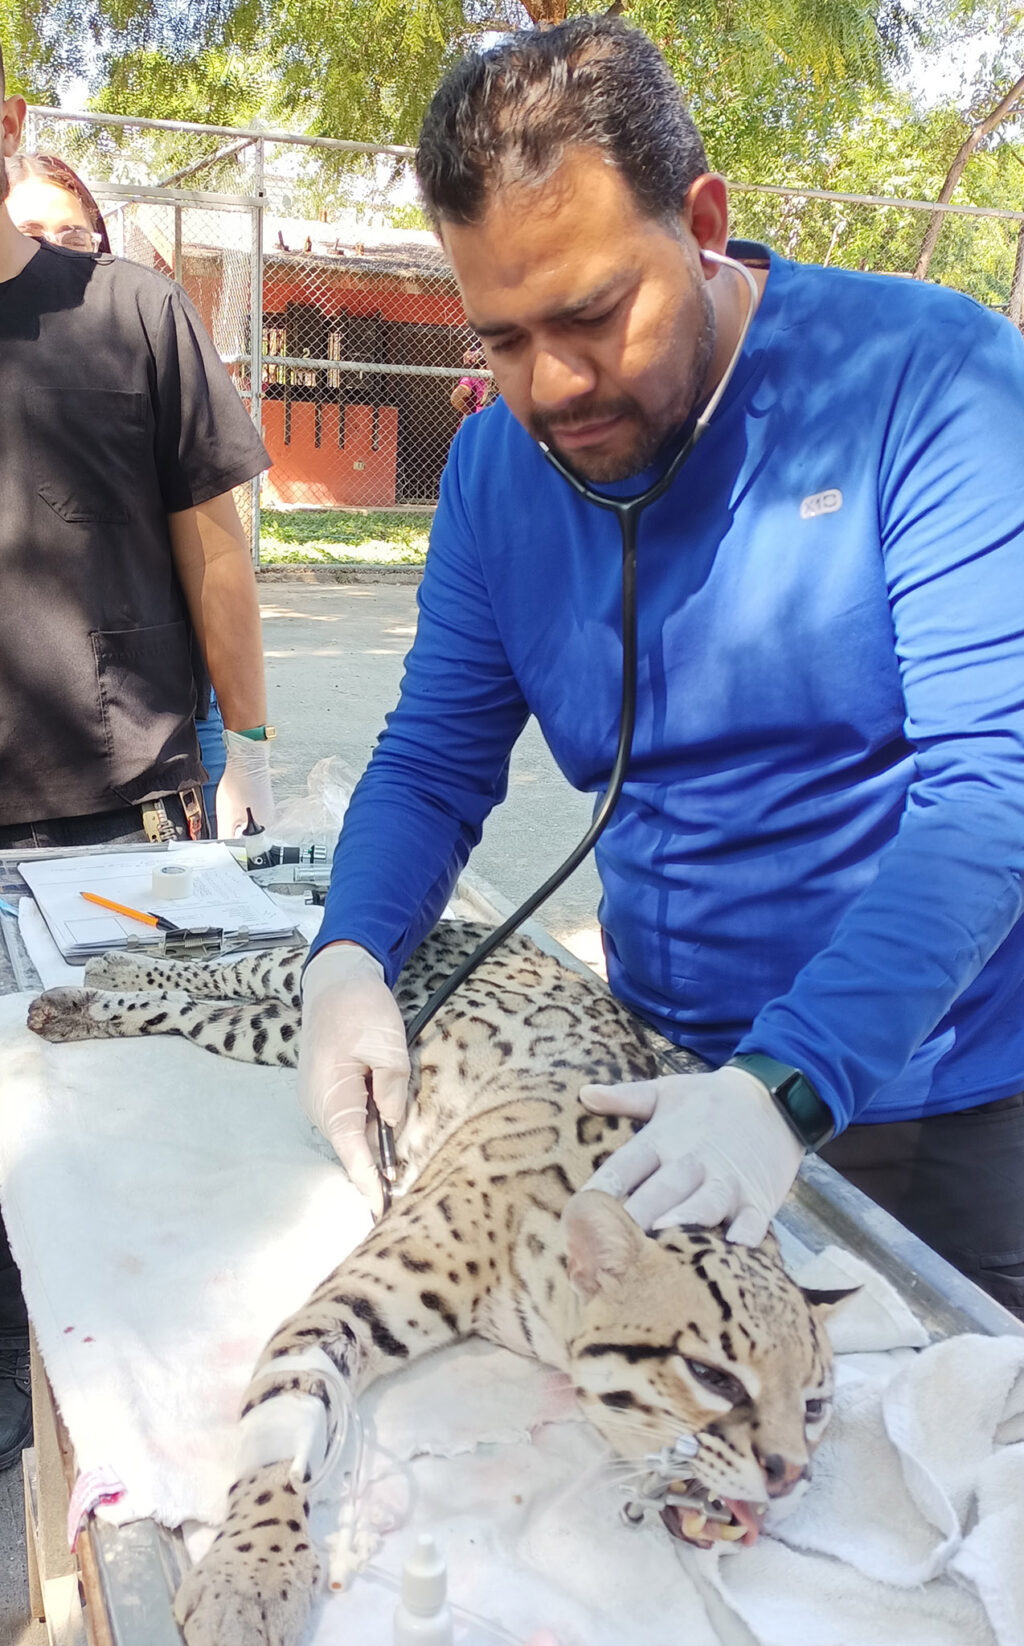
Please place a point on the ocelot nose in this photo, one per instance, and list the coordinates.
(780, 1475)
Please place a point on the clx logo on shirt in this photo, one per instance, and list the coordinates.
(827, 502)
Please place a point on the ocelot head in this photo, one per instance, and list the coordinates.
(701, 1362)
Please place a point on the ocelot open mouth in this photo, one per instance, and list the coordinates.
(704, 1520)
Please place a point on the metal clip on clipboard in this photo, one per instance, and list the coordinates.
(204, 942)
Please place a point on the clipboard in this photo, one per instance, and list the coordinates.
(227, 912)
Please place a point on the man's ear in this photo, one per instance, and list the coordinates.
(706, 214)
(602, 1241)
(13, 111)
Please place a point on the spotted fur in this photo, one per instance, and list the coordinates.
(676, 1333)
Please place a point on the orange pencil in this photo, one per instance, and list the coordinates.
(156, 920)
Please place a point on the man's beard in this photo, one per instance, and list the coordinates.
(650, 434)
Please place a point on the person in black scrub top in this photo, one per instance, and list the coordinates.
(121, 437)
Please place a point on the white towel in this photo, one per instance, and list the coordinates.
(167, 1210)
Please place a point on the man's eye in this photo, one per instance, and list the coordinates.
(595, 320)
(502, 345)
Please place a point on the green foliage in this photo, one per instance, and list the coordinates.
(786, 92)
(344, 537)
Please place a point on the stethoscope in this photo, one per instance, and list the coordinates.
(627, 511)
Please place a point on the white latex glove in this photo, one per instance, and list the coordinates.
(352, 1032)
(245, 782)
(715, 1150)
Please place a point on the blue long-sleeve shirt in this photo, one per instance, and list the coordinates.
(819, 848)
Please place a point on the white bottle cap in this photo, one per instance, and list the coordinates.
(424, 1578)
(423, 1616)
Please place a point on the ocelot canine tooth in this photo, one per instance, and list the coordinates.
(732, 1533)
(694, 1523)
(681, 1486)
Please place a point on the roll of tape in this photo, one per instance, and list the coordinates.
(172, 880)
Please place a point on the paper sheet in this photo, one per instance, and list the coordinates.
(223, 896)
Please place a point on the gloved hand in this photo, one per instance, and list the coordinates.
(714, 1150)
(351, 1029)
(246, 782)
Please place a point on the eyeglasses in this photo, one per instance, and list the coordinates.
(74, 239)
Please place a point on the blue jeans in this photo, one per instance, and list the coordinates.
(210, 733)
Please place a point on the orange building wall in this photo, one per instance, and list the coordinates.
(330, 476)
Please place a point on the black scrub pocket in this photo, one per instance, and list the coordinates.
(147, 702)
(90, 447)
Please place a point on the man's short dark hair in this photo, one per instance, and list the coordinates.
(509, 115)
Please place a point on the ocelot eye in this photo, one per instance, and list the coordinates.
(717, 1382)
(815, 1409)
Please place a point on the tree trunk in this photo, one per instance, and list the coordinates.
(994, 118)
(1016, 309)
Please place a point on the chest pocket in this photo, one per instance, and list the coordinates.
(89, 447)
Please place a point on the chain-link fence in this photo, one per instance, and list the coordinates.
(340, 321)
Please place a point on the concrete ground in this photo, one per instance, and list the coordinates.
(334, 662)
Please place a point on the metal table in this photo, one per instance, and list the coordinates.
(117, 1589)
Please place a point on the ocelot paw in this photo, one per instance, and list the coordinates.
(114, 971)
(256, 1584)
(63, 1014)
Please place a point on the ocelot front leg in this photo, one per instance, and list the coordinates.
(256, 1584)
(272, 974)
(265, 1033)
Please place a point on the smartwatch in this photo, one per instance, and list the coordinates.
(806, 1115)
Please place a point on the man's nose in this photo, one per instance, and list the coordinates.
(780, 1475)
(558, 378)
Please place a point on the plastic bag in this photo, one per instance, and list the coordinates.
(314, 819)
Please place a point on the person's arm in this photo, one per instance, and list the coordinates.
(205, 445)
(214, 566)
(461, 398)
(211, 557)
(417, 812)
(949, 886)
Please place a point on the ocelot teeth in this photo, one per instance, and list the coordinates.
(693, 1523)
(732, 1533)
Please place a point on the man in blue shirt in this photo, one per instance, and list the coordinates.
(813, 876)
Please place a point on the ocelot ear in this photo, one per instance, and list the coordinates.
(603, 1242)
(827, 1300)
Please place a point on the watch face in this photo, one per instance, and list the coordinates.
(810, 1117)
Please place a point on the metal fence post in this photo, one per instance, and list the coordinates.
(256, 334)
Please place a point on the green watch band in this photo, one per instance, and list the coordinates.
(804, 1112)
(259, 734)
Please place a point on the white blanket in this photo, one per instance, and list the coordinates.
(168, 1209)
